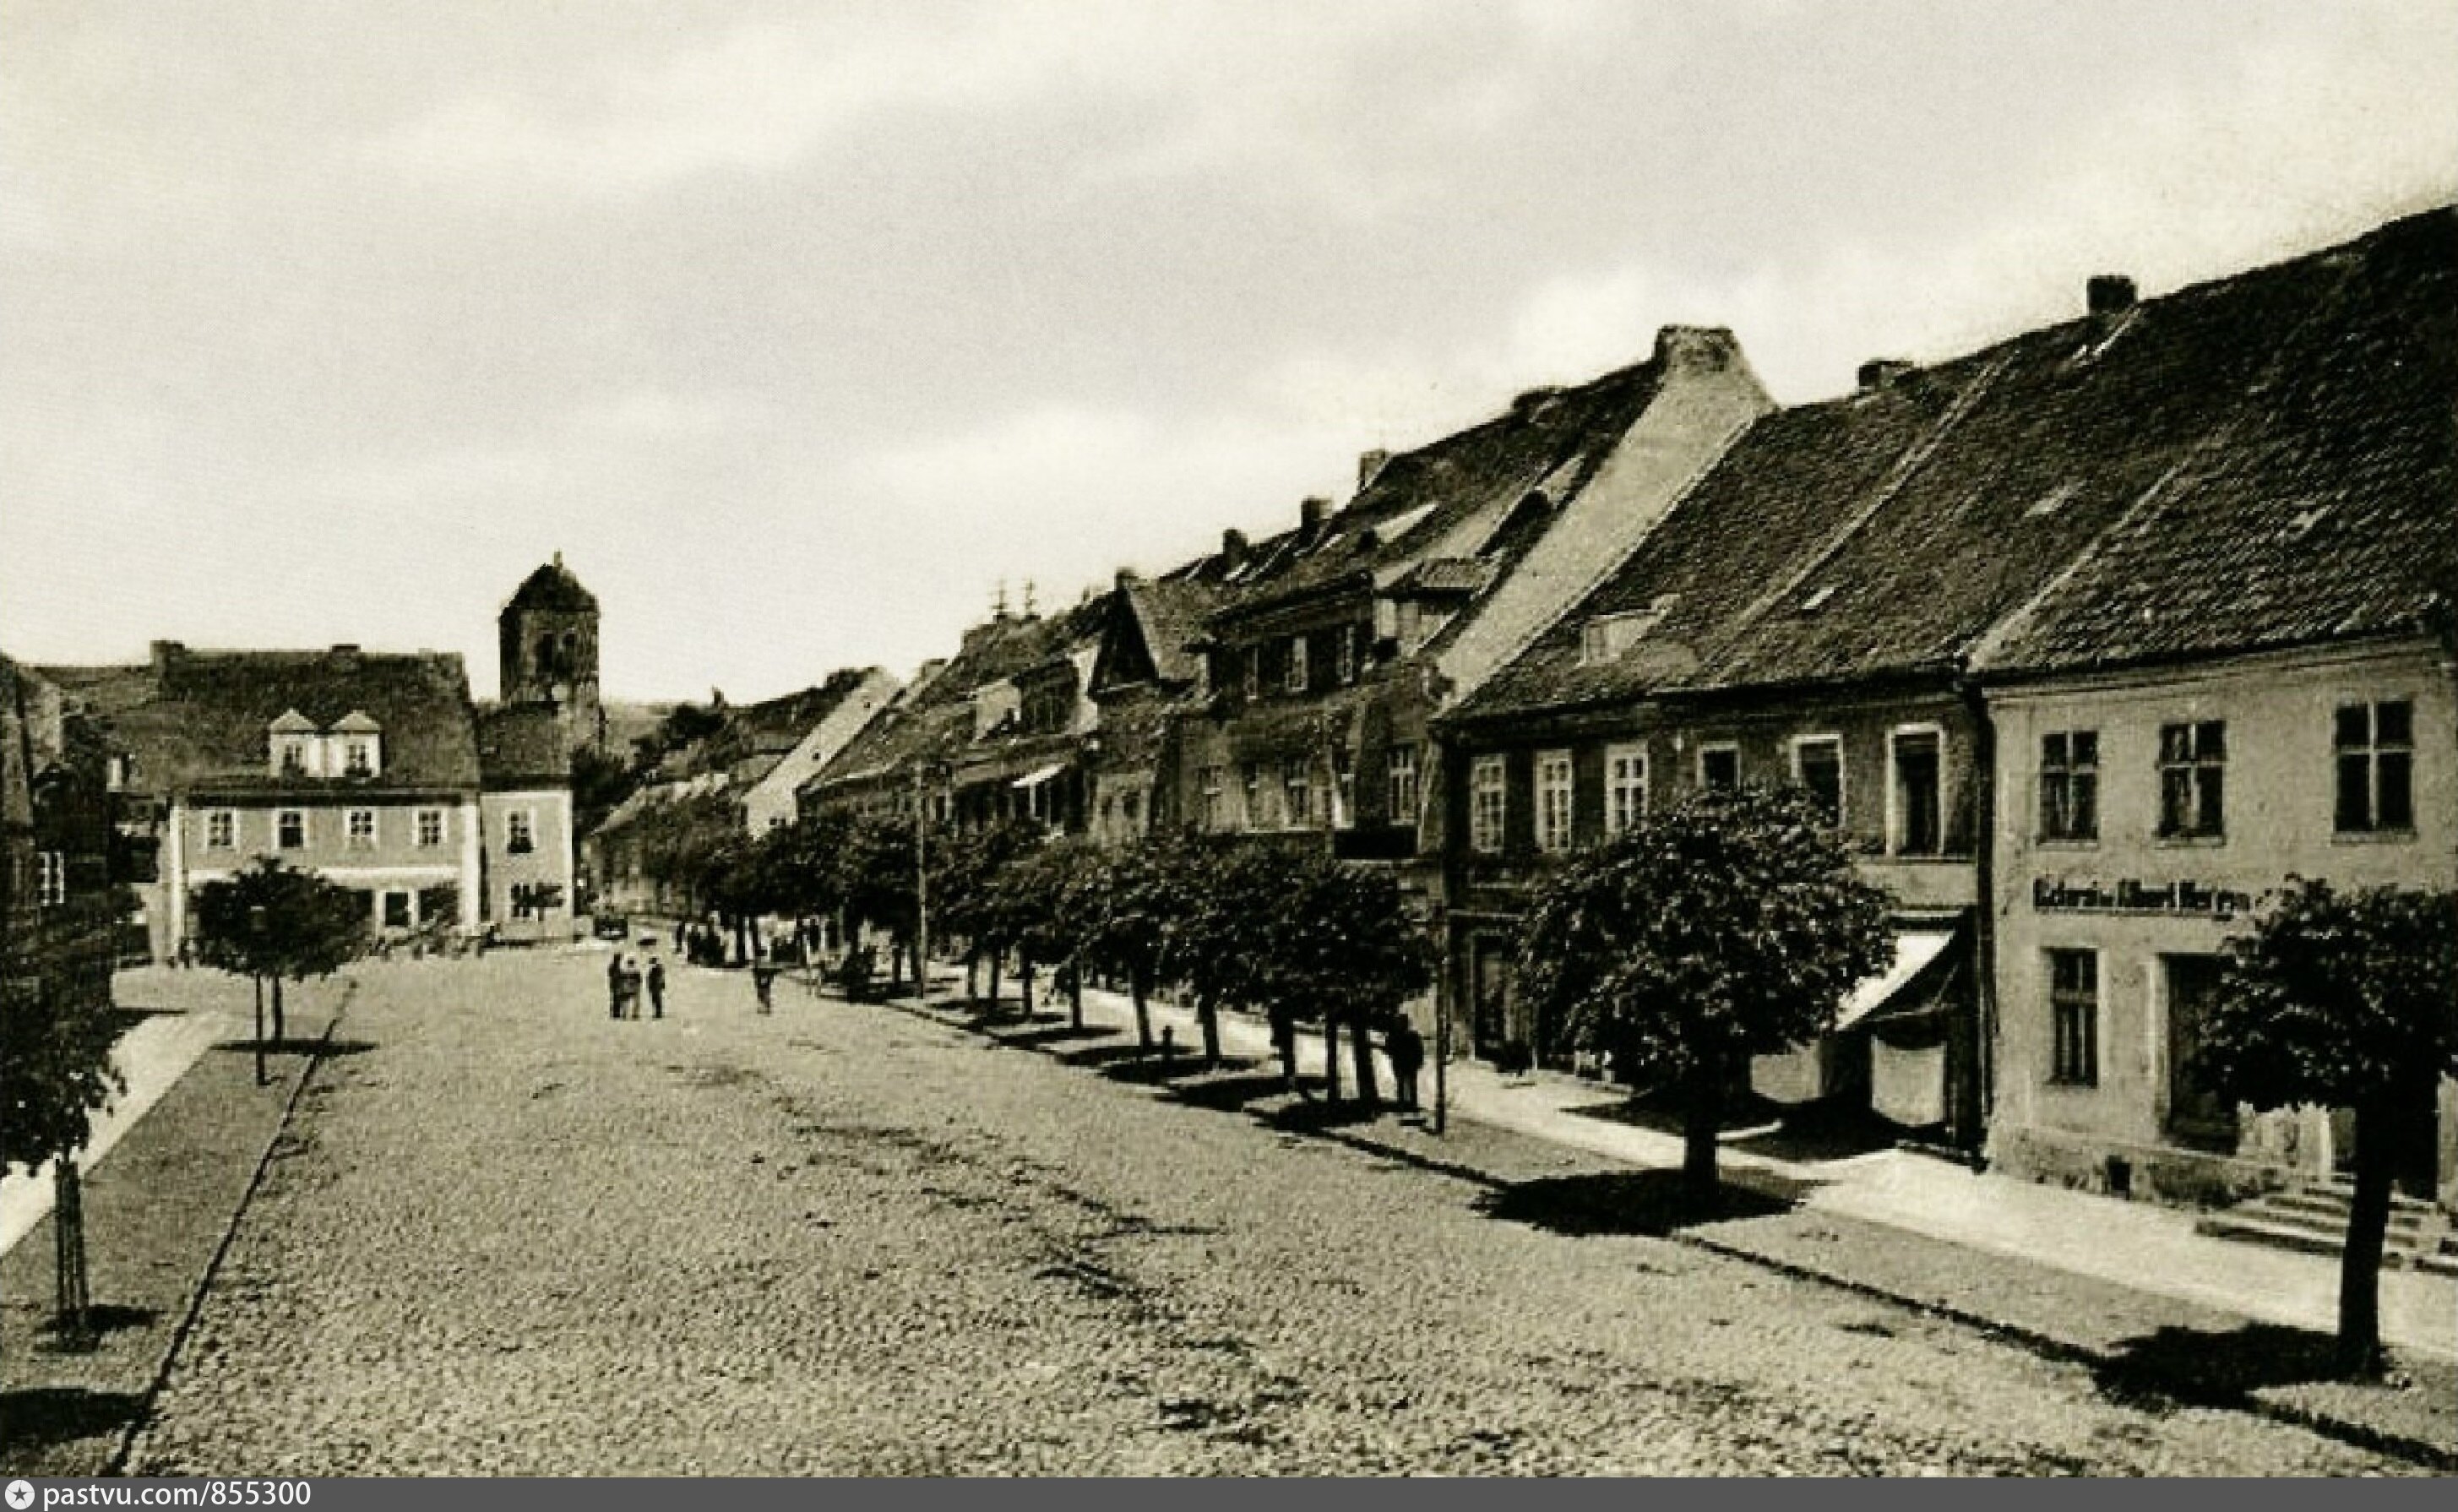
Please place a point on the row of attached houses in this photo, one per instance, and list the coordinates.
(60, 862)
(2087, 639)
(376, 770)
(750, 768)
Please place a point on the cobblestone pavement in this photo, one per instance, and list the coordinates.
(512, 1237)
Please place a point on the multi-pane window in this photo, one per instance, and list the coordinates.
(1719, 768)
(359, 759)
(1293, 676)
(1554, 801)
(520, 832)
(1402, 768)
(1252, 779)
(221, 829)
(51, 879)
(1297, 790)
(2376, 752)
(361, 829)
(290, 828)
(1343, 652)
(1344, 787)
(1487, 805)
(1250, 671)
(2193, 773)
(1625, 787)
(2070, 785)
(293, 759)
(2073, 1015)
(431, 828)
(1213, 817)
(1920, 814)
(1817, 766)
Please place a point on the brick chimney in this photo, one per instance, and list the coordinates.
(1311, 514)
(1233, 549)
(1369, 465)
(1883, 373)
(166, 655)
(2109, 294)
(1697, 348)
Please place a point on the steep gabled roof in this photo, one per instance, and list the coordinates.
(203, 717)
(1452, 497)
(2331, 513)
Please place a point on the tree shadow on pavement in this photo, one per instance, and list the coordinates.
(1654, 1204)
(1097, 1056)
(1232, 1092)
(42, 1417)
(1061, 1034)
(1158, 1070)
(321, 1049)
(2214, 1368)
(1316, 1115)
(101, 1319)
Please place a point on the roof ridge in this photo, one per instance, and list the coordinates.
(2204, 450)
(1898, 477)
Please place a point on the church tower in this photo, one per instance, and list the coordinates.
(548, 651)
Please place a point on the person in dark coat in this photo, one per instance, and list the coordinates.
(615, 985)
(657, 988)
(763, 982)
(1406, 1048)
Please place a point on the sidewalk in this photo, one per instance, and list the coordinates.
(2127, 1288)
(189, 1138)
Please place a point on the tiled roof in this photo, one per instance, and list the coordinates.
(2331, 511)
(203, 719)
(1779, 494)
(522, 746)
(552, 587)
(2171, 451)
(1172, 613)
(1450, 497)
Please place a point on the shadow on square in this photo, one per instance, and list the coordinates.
(1651, 1204)
(320, 1049)
(2214, 1367)
(42, 1417)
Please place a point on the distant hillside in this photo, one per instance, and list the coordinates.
(628, 722)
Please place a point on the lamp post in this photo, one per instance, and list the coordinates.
(921, 887)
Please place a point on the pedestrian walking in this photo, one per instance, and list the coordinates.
(615, 987)
(1405, 1050)
(682, 935)
(631, 988)
(763, 982)
(657, 989)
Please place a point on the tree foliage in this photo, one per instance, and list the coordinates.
(1729, 925)
(2346, 1000)
(275, 923)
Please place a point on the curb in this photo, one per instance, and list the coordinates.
(2349, 1430)
(143, 1417)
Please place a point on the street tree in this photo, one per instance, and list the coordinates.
(1052, 904)
(1221, 935)
(968, 902)
(273, 924)
(2345, 1000)
(1726, 925)
(1346, 950)
(875, 878)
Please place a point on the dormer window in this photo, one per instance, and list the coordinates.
(1606, 636)
(358, 745)
(295, 746)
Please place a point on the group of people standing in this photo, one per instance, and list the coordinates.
(624, 982)
(1401, 1046)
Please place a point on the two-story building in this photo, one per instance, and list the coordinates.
(1334, 645)
(2250, 679)
(1809, 615)
(59, 857)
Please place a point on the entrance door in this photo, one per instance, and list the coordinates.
(1489, 1006)
(2198, 1117)
(396, 910)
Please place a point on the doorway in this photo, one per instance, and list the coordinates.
(2199, 1118)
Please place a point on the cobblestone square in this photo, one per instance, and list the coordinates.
(510, 1236)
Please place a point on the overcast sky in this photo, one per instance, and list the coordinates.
(797, 327)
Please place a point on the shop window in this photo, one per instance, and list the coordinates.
(2073, 1013)
(2376, 755)
(2193, 775)
(1554, 786)
(2070, 785)
(396, 910)
(1487, 805)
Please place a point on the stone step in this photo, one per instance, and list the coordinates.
(2334, 1220)
(2278, 1235)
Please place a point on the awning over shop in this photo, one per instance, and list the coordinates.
(1914, 950)
(1039, 775)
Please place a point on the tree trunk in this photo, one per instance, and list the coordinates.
(1207, 1013)
(972, 972)
(1139, 986)
(2359, 1347)
(1361, 1048)
(1024, 978)
(1702, 1118)
(1076, 995)
(68, 1226)
(280, 1023)
(1330, 1058)
(995, 957)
